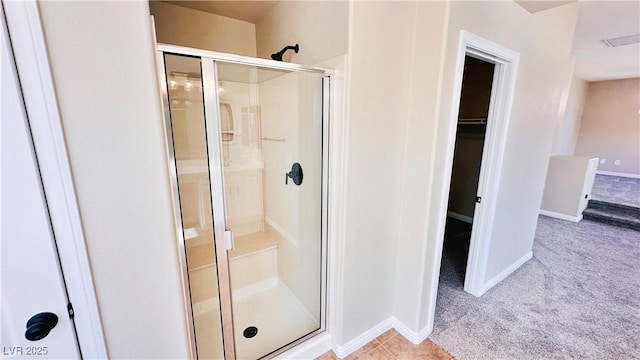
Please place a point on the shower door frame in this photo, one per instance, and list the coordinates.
(222, 241)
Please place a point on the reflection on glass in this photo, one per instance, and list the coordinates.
(275, 268)
(184, 85)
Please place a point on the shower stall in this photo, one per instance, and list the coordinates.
(247, 141)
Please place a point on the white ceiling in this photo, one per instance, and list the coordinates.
(600, 20)
(597, 20)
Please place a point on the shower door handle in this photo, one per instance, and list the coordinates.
(295, 174)
(229, 239)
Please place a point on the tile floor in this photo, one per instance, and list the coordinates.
(393, 346)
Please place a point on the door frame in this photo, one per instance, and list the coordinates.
(223, 241)
(36, 80)
(506, 68)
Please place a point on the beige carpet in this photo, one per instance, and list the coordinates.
(578, 298)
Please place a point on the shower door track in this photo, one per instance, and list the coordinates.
(241, 60)
(214, 146)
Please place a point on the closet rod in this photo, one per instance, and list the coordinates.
(472, 121)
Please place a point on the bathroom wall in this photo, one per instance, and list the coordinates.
(430, 20)
(379, 98)
(610, 127)
(178, 25)
(320, 27)
(106, 84)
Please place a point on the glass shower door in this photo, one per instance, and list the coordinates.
(248, 152)
(188, 147)
(271, 148)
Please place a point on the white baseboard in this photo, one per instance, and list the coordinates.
(377, 330)
(460, 217)
(310, 349)
(414, 337)
(612, 173)
(506, 272)
(560, 216)
(361, 340)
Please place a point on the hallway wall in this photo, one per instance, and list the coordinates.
(566, 135)
(543, 41)
(544, 71)
(396, 146)
(610, 128)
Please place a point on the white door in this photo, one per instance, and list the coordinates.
(31, 280)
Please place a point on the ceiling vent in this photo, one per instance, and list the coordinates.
(623, 40)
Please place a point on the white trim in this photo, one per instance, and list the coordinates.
(503, 90)
(326, 172)
(239, 59)
(369, 335)
(457, 216)
(336, 199)
(29, 46)
(560, 216)
(612, 173)
(216, 185)
(364, 338)
(506, 272)
(414, 337)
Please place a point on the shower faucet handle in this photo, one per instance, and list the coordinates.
(295, 174)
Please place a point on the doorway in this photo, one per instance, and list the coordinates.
(475, 98)
(505, 70)
(247, 143)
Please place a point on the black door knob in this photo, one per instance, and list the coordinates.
(39, 326)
